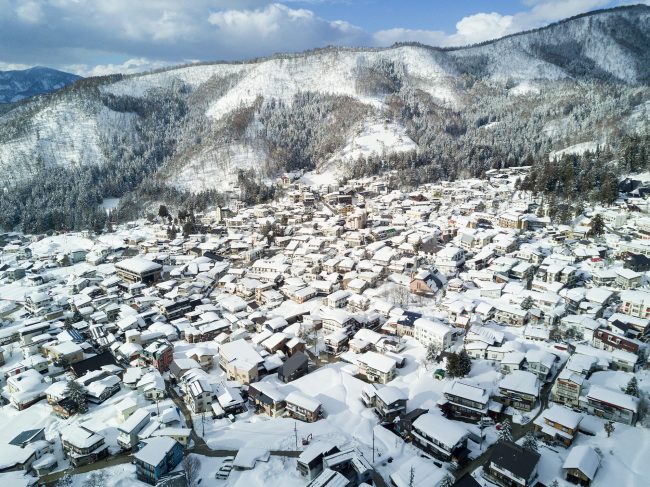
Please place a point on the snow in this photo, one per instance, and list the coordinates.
(577, 149)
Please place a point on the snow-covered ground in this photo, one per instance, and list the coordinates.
(577, 149)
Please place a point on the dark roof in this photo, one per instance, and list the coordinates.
(515, 459)
(25, 436)
(413, 415)
(467, 481)
(293, 363)
(93, 363)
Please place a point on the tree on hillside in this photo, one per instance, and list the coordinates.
(163, 212)
(597, 226)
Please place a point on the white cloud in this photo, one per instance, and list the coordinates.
(89, 35)
(131, 66)
(30, 12)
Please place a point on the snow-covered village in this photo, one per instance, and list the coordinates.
(340, 335)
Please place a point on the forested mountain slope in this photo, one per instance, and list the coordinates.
(432, 113)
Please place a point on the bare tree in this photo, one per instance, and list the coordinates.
(192, 467)
(96, 479)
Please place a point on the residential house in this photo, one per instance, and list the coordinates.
(299, 406)
(519, 389)
(159, 456)
(558, 425)
(440, 437)
(511, 465)
(466, 400)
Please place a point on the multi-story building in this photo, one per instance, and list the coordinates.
(440, 437)
(610, 404)
(159, 456)
(301, 407)
(519, 389)
(432, 332)
(511, 465)
(376, 367)
(466, 400)
(566, 388)
(82, 446)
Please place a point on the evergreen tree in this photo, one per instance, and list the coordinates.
(530, 442)
(432, 353)
(78, 395)
(505, 433)
(452, 365)
(527, 303)
(464, 364)
(597, 225)
(633, 388)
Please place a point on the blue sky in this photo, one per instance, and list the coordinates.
(93, 37)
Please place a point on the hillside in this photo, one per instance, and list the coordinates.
(433, 113)
(17, 85)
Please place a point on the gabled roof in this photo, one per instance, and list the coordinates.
(515, 459)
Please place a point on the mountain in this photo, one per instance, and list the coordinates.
(195, 132)
(20, 84)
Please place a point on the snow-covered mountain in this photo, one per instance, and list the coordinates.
(20, 84)
(582, 80)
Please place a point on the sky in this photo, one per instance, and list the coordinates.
(97, 37)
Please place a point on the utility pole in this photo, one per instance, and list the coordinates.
(295, 432)
(373, 445)
(203, 423)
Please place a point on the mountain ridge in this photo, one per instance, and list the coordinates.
(434, 113)
(20, 84)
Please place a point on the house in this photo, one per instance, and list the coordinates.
(610, 404)
(519, 389)
(137, 269)
(350, 464)
(466, 400)
(425, 283)
(302, 407)
(389, 403)
(82, 445)
(376, 367)
(295, 367)
(636, 303)
(240, 361)
(558, 425)
(267, 399)
(450, 259)
(417, 472)
(566, 388)
(310, 461)
(541, 363)
(440, 437)
(159, 456)
(511, 465)
(432, 332)
(16, 458)
(128, 431)
(581, 465)
(158, 354)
